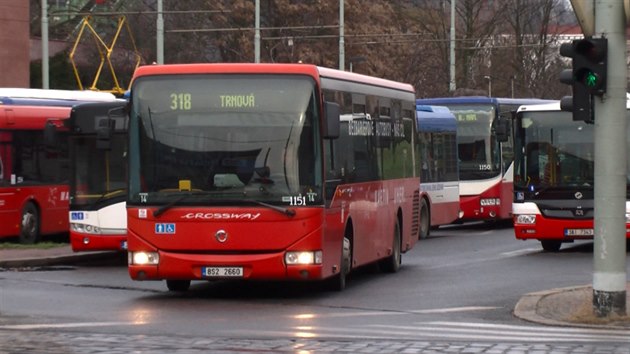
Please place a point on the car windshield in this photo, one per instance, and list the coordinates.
(234, 137)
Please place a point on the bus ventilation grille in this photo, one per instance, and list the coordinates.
(415, 223)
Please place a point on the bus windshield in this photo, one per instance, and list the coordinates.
(225, 138)
(478, 148)
(100, 176)
(556, 151)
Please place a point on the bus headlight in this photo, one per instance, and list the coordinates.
(143, 258)
(490, 201)
(85, 229)
(304, 257)
(525, 219)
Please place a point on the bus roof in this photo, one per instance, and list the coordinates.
(435, 119)
(480, 100)
(8, 94)
(267, 68)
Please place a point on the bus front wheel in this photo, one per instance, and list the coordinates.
(338, 282)
(29, 224)
(178, 285)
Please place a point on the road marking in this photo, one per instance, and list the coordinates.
(453, 330)
(66, 325)
(393, 312)
(457, 309)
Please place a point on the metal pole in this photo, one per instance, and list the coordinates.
(452, 85)
(45, 80)
(160, 33)
(257, 33)
(609, 250)
(342, 54)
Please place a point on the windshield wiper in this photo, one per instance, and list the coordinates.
(285, 211)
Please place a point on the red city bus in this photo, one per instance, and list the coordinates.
(268, 171)
(34, 166)
(554, 177)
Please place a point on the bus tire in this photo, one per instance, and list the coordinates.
(178, 285)
(339, 281)
(392, 263)
(425, 220)
(29, 224)
(550, 245)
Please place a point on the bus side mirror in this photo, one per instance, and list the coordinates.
(502, 130)
(331, 120)
(104, 133)
(50, 134)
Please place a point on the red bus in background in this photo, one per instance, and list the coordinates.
(268, 171)
(554, 177)
(34, 162)
(485, 154)
(98, 182)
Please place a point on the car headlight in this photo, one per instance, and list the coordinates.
(303, 257)
(143, 258)
(526, 219)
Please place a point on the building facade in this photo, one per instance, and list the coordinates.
(14, 43)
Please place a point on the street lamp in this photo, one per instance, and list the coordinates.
(489, 78)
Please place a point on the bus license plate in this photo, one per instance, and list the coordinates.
(578, 232)
(222, 272)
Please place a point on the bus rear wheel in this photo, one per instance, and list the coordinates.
(178, 285)
(550, 245)
(392, 263)
(29, 224)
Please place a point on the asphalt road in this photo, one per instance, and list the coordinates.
(456, 292)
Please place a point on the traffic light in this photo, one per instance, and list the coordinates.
(587, 76)
(590, 64)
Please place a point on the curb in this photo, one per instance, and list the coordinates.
(529, 304)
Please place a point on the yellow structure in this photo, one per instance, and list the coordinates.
(105, 52)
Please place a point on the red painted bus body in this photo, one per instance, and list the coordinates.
(34, 161)
(287, 198)
(33, 199)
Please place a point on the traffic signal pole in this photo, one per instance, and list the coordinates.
(609, 253)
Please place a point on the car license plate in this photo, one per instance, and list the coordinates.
(222, 272)
(578, 232)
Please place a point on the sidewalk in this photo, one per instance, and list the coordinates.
(557, 307)
(568, 307)
(33, 257)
